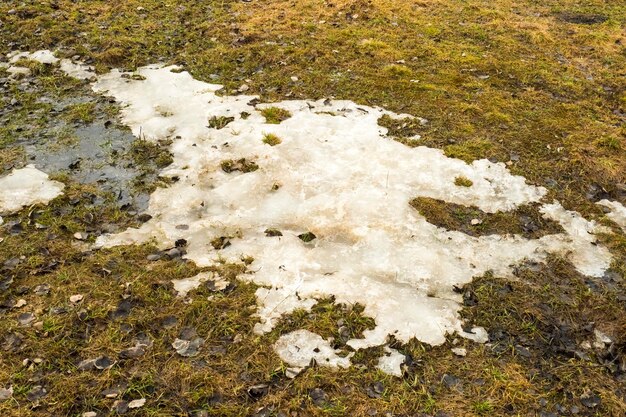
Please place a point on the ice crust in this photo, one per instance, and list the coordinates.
(335, 174)
(26, 186)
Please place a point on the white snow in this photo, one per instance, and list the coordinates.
(338, 176)
(617, 212)
(300, 346)
(391, 362)
(25, 187)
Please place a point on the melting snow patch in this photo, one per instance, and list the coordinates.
(335, 192)
(299, 347)
(617, 212)
(391, 362)
(70, 68)
(183, 286)
(26, 186)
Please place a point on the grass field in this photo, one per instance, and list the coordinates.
(540, 86)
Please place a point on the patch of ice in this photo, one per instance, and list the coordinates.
(25, 187)
(300, 346)
(391, 362)
(617, 212)
(340, 178)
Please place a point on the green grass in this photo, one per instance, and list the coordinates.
(271, 139)
(275, 115)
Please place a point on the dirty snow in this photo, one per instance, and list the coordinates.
(339, 177)
(617, 212)
(26, 186)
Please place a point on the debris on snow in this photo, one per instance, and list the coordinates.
(27, 186)
(299, 347)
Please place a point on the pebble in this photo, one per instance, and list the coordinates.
(20, 303)
(243, 88)
(89, 414)
(475, 222)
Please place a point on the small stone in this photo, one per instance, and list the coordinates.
(89, 414)
(459, 352)
(137, 403)
(243, 88)
(475, 222)
(294, 79)
(77, 298)
(20, 303)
